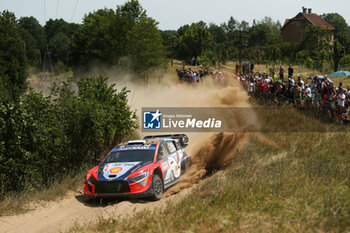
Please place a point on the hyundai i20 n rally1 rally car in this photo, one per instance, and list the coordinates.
(141, 168)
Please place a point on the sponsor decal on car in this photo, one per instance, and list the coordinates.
(116, 170)
(144, 147)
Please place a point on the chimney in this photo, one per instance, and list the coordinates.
(309, 10)
(304, 10)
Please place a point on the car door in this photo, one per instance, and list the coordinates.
(163, 160)
(174, 159)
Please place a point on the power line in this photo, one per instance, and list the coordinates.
(76, 4)
(58, 2)
(44, 11)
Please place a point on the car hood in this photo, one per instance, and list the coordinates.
(113, 171)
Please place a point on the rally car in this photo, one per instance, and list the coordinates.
(140, 168)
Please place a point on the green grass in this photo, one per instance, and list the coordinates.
(279, 182)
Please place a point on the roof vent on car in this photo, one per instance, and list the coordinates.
(136, 142)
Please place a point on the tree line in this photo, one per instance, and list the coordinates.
(261, 43)
(46, 138)
(127, 37)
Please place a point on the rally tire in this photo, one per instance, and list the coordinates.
(158, 187)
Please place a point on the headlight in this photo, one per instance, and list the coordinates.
(139, 177)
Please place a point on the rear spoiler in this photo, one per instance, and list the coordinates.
(181, 138)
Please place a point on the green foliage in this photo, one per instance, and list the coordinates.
(341, 44)
(42, 138)
(345, 61)
(59, 34)
(169, 42)
(317, 45)
(145, 46)
(193, 40)
(33, 35)
(265, 32)
(109, 36)
(206, 58)
(238, 35)
(221, 42)
(100, 37)
(13, 59)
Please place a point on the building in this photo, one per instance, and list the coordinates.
(293, 29)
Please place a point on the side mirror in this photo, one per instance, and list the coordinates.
(183, 140)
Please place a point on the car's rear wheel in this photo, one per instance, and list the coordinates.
(158, 187)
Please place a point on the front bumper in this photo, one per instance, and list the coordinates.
(147, 193)
(118, 188)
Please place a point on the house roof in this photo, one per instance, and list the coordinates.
(313, 19)
(286, 21)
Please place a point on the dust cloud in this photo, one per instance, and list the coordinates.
(209, 151)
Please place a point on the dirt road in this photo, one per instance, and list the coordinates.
(62, 215)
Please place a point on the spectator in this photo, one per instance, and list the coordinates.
(341, 102)
(308, 95)
(290, 71)
(281, 73)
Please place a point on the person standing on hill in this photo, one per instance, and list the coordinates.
(274, 77)
(281, 73)
(237, 69)
(290, 71)
(341, 102)
(251, 67)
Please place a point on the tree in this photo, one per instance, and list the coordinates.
(109, 36)
(58, 40)
(33, 35)
(97, 38)
(221, 42)
(265, 32)
(317, 45)
(13, 61)
(59, 46)
(193, 40)
(341, 42)
(170, 40)
(145, 46)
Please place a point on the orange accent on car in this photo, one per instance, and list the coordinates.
(116, 170)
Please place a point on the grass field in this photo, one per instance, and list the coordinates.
(279, 182)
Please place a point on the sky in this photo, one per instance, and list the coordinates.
(171, 14)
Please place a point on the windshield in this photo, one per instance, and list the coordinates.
(130, 156)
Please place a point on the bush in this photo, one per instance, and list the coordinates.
(43, 138)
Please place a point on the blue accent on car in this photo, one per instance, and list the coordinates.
(134, 148)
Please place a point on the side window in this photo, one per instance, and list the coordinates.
(162, 153)
(178, 147)
(171, 147)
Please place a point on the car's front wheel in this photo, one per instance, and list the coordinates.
(158, 187)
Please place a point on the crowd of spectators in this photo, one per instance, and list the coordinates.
(313, 93)
(245, 68)
(191, 75)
